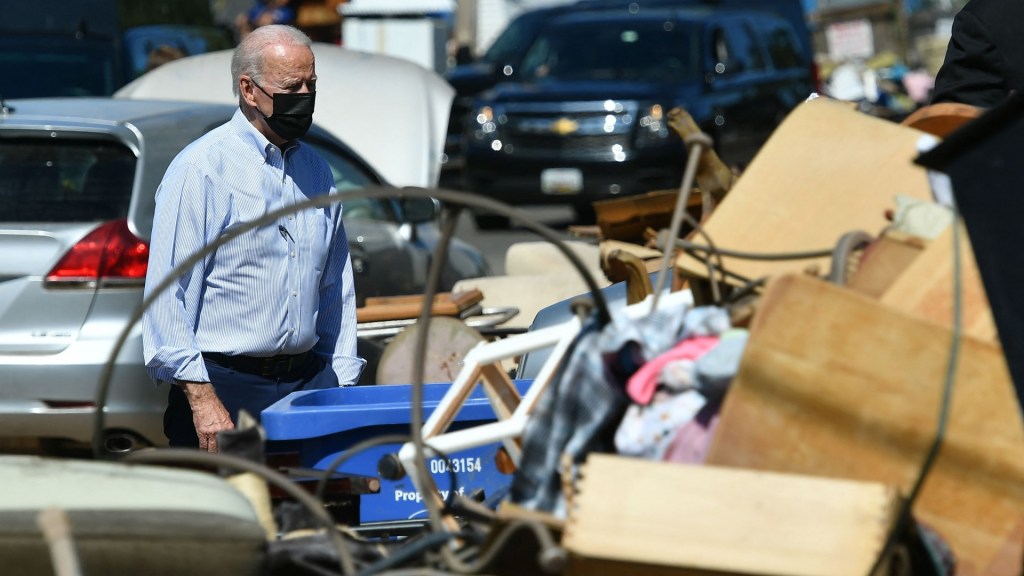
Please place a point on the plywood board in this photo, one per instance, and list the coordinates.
(670, 517)
(836, 384)
(826, 170)
(925, 288)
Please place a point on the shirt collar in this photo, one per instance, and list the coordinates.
(254, 138)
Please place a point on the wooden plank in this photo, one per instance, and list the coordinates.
(826, 170)
(925, 288)
(626, 218)
(885, 260)
(404, 307)
(462, 299)
(683, 519)
(833, 383)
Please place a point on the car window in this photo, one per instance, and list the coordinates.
(782, 46)
(654, 51)
(734, 49)
(348, 175)
(64, 180)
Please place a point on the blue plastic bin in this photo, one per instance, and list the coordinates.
(321, 424)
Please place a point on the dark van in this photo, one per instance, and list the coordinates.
(93, 47)
(584, 114)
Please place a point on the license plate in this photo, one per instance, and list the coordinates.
(561, 181)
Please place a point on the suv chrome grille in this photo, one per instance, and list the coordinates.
(592, 133)
(552, 143)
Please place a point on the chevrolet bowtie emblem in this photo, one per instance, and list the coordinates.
(564, 126)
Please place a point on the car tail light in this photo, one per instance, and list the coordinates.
(108, 254)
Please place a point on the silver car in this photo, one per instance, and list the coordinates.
(77, 184)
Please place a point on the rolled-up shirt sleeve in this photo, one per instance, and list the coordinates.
(336, 322)
(169, 323)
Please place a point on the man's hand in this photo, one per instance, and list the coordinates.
(208, 413)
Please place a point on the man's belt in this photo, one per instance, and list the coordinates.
(280, 365)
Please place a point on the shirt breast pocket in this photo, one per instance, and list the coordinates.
(321, 230)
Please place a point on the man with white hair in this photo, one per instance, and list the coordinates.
(273, 310)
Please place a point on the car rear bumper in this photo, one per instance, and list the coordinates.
(54, 396)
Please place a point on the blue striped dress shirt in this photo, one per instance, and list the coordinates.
(284, 288)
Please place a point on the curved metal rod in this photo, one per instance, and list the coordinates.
(697, 143)
(419, 357)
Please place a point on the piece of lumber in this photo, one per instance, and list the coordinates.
(410, 306)
(836, 384)
(883, 261)
(711, 176)
(925, 288)
(634, 516)
(825, 171)
(628, 217)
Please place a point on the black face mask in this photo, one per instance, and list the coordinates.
(292, 115)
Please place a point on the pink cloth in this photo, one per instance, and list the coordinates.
(918, 85)
(644, 382)
(691, 442)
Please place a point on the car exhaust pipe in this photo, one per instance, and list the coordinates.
(121, 442)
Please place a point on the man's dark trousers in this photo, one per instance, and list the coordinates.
(239, 390)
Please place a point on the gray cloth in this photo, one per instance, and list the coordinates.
(581, 409)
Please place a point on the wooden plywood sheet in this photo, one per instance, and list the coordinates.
(678, 519)
(826, 170)
(836, 384)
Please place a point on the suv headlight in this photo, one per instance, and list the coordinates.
(483, 126)
(652, 127)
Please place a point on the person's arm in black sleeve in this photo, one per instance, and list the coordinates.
(974, 71)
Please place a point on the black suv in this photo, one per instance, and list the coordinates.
(583, 115)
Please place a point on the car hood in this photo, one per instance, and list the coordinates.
(392, 112)
(565, 91)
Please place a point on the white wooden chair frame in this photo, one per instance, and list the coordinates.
(483, 364)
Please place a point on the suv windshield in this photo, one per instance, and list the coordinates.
(646, 51)
(514, 38)
(64, 180)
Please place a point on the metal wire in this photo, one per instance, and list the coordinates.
(696, 143)
(905, 516)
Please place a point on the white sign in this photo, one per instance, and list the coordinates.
(561, 181)
(850, 40)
